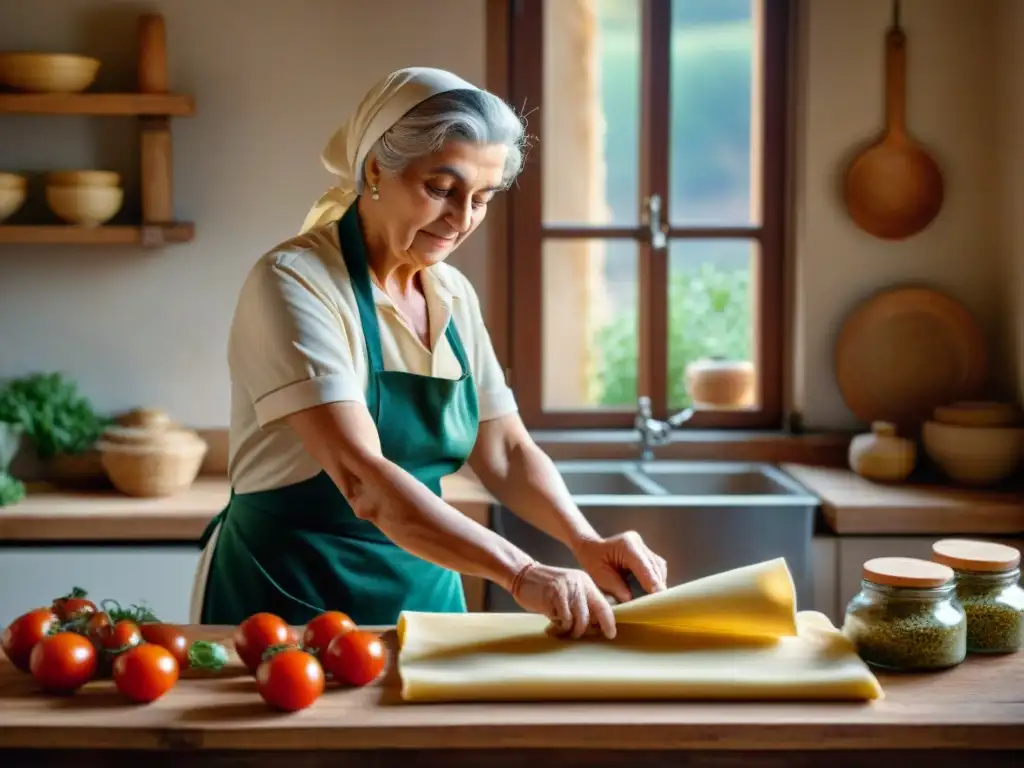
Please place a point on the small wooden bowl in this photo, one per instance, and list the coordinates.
(85, 206)
(48, 72)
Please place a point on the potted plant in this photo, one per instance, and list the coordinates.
(59, 422)
(718, 379)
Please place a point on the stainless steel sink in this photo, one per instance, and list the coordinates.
(599, 482)
(607, 479)
(702, 517)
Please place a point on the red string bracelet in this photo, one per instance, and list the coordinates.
(517, 579)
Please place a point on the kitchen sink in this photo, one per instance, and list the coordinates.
(702, 517)
(611, 479)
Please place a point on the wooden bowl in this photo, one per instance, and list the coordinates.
(85, 206)
(84, 178)
(12, 181)
(48, 72)
(11, 199)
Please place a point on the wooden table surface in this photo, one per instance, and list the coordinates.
(978, 706)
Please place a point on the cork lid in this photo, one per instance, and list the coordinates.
(970, 555)
(907, 572)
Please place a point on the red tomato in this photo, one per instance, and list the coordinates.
(324, 628)
(63, 662)
(355, 658)
(291, 679)
(258, 633)
(170, 637)
(118, 637)
(145, 673)
(24, 632)
(96, 623)
(72, 605)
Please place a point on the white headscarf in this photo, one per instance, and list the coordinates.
(382, 107)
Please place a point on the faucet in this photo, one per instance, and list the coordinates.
(655, 431)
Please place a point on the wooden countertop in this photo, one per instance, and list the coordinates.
(975, 706)
(47, 514)
(852, 505)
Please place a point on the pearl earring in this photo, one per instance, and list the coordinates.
(374, 193)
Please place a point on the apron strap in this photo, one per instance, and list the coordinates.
(353, 250)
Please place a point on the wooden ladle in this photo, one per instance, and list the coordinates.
(894, 189)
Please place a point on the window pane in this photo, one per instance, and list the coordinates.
(711, 315)
(589, 324)
(591, 112)
(715, 113)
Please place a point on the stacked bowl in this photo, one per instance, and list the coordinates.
(975, 443)
(84, 198)
(12, 194)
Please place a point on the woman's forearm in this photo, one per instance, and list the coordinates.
(420, 522)
(525, 480)
(343, 439)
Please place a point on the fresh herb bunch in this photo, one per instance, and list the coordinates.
(12, 490)
(56, 417)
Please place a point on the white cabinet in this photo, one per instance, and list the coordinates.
(161, 576)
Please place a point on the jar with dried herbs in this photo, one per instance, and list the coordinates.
(907, 616)
(988, 587)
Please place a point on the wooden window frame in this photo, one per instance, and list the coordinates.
(517, 225)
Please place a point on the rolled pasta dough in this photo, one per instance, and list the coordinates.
(734, 635)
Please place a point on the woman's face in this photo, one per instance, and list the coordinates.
(428, 210)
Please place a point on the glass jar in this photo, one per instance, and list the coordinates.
(988, 588)
(907, 616)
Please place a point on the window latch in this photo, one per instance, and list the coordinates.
(652, 218)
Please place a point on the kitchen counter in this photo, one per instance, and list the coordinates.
(976, 708)
(852, 505)
(47, 514)
(849, 505)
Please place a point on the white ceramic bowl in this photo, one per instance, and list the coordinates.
(974, 455)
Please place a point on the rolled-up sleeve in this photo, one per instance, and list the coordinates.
(288, 348)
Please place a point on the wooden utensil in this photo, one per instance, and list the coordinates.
(894, 189)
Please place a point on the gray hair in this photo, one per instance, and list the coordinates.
(467, 115)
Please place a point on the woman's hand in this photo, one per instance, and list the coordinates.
(568, 597)
(607, 559)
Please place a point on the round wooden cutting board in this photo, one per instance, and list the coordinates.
(905, 351)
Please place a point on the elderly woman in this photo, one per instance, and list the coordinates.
(362, 374)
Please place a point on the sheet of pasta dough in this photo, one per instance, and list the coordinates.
(734, 635)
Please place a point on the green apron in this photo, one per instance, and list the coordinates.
(300, 550)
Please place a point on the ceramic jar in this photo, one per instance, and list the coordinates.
(882, 455)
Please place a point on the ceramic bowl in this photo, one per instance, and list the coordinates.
(974, 455)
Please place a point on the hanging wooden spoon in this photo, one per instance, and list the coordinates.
(894, 189)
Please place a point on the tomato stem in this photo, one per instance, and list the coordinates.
(273, 650)
(204, 654)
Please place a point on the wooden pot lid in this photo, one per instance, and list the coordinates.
(906, 351)
(907, 572)
(970, 555)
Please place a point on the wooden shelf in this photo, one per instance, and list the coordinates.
(60, 234)
(111, 104)
(154, 105)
